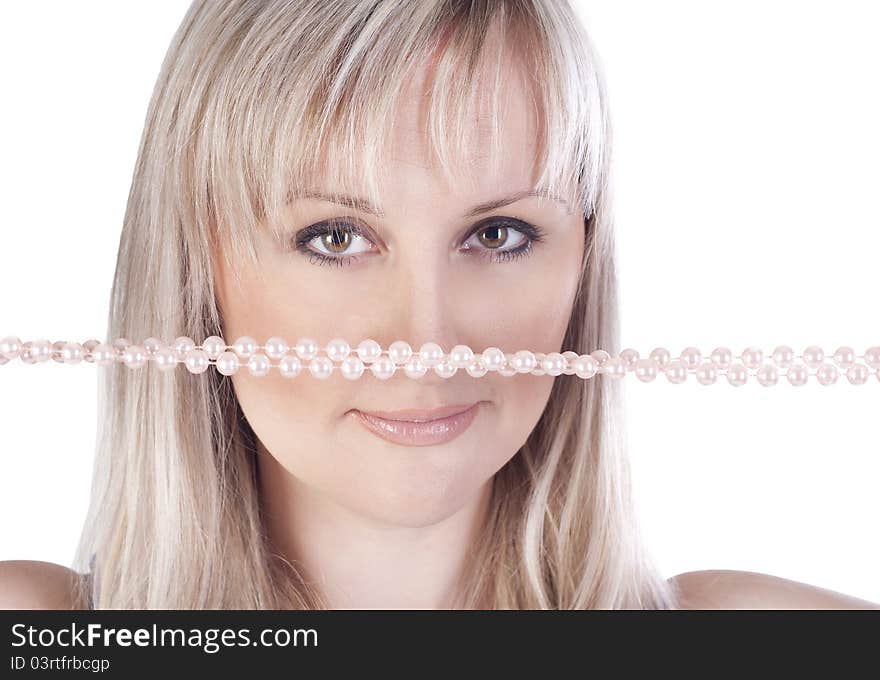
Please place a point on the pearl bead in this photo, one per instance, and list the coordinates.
(88, 347)
(493, 358)
(134, 356)
(10, 347)
(337, 349)
(646, 369)
(276, 347)
(768, 375)
(151, 346)
(872, 357)
(476, 369)
(783, 356)
(600, 355)
(320, 367)
(691, 357)
(383, 368)
(737, 374)
(813, 356)
(119, 346)
(41, 350)
(103, 354)
(182, 345)
(351, 368)
(306, 348)
(614, 367)
(585, 366)
(244, 347)
(72, 353)
(56, 351)
(196, 361)
(844, 356)
(445, 369)
(368, 351)
(431, 354)
(752, 357)
(461, 356)
(415, 368)
(676, 372)
(857, 374)
(507, 369)
(213, 346)
(706, 373)
(164, 359)
(227, 363)
(258, 364)
(629, 356)
(524, 361)
(569, 362)
(400, 351)
(826, 373)
(25, 354)
(56, 348)
(289, 366)
(539, 368)
(797, 374)
(721, 357)
(554, 363)
(661, 356)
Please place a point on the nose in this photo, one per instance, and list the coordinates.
(425, 308)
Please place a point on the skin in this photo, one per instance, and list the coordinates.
(375, 524)
(406, 515)
(33, 584)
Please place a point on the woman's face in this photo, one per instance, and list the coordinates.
(426, 270)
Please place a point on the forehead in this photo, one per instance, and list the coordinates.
(486, 160)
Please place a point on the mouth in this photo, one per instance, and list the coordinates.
(419, 427)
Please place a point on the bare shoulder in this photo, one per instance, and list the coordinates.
(32, 584)
(731, 589)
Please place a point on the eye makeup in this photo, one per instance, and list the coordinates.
(342, 232)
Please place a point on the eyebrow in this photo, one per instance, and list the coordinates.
(365, 206)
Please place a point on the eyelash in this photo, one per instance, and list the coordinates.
(533, 234)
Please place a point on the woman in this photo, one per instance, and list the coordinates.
(449, 162)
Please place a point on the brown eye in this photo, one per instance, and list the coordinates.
(493, 236)
(336, 240)
(501, 236)
(333, 242)
(503, 239)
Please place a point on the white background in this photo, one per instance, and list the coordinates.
(746, 176)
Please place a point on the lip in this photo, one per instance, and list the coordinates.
(419, 427)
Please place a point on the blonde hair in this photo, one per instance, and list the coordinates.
(254, 98)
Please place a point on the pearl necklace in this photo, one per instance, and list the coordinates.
(383, 364)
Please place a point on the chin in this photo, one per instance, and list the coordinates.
(412, 486)
(412, 505)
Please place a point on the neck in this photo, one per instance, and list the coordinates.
(360, 562)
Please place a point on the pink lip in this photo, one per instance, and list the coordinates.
(420, 427)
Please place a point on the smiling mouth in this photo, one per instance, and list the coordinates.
(421, 429)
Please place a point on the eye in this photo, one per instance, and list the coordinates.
(498, 232)
(335, 241)
(332, 242)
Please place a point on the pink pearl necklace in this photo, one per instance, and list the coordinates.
(339, 356)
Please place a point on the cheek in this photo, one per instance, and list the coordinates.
(301, 421)
(278, 306)
(296, 419)
(527, 304)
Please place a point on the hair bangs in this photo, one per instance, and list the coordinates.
(289, 124)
